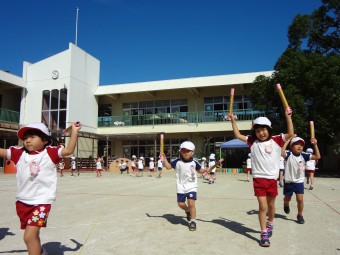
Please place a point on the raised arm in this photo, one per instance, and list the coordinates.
(317, 154)
(69, 149)
(237, 133)
(284, 147)
(290, 127)
(166, 162)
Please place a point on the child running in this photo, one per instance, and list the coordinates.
(212, 162)
(310, 169)
(141, 165)
(186, 180)
(295, 173)
(151, 167)
(37, 178)
(99, 167)
(265, 151)
(61, 167)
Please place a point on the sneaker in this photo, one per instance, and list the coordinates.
(192, 226)
(269, 229)
(300, 219)
(188, 216)
(307, 182)
(311, 188)
(264, 242)
(286, 209)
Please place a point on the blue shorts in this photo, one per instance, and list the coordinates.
(290, 188)
(190, 195)
(160, 168)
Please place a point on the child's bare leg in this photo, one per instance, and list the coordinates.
(183, 206)
(32, 240)
(311, 178)
(192, 208)
(300, 204)
(271, 208)
(262, 212)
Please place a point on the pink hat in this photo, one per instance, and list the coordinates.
(33, 126)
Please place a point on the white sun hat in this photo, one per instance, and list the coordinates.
(33, 126)
(296, 139)
(262, 121)
(187, 145)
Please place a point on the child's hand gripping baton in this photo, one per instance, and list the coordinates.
(69, 128)
(215, 165)
(231, 103)
(283, 99)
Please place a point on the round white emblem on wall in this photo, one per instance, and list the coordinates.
(55, 74)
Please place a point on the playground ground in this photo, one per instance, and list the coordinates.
(122, 214)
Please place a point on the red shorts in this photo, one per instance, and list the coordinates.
(152, 169)
(133, 168)
(265, 187)
(248, 170)
(32, 215)
(310, 171)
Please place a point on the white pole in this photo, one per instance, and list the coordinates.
(76, 42)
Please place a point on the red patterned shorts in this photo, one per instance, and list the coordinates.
(32, 215)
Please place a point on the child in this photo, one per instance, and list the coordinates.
(61, 167)
(151, 167)
(282, 170)
(133, 164)
(186, 180)
(295, 173)
(248, 169)
(37, 178)
(73, 166)
(204, 167)
(159, 167)
(141, 165)
(212, 162)
(99, 168)
(310, 169)
(265, 151)
(123, 166)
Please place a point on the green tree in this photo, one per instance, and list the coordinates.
(309, 72)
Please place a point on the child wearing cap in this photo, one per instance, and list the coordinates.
(37, 178)
(295, 173)
(265, 149)
(141, 165)
(186, 180)
(151, 167)
(212, 162)
(310, 169)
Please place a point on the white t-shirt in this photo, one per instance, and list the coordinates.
(248, 162)
(295, 167)
(98, 164)
(211, 163)
(266, 156)
(310, 164)
(40, 188)
(140, 164)
(159, 163)
(151, 165)
(186, 178)
(282, 163)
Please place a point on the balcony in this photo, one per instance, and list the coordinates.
(9, 116)
(193, 118)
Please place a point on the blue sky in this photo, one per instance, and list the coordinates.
(147, 40)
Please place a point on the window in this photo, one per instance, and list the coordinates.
(54, 106)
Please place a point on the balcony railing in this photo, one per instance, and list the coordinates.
(9, 116)
(174, 118)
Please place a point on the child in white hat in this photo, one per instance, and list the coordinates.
(265, 150)
(310, 169)
(186, 180)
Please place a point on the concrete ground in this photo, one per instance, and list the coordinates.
(122, 214)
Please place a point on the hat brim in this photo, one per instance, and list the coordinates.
(23, 130)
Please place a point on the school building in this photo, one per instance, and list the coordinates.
(122, 120)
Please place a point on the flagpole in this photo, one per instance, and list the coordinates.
(76, 42)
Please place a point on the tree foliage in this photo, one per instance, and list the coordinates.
(309, 72)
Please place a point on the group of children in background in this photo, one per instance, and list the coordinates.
(140, 163)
